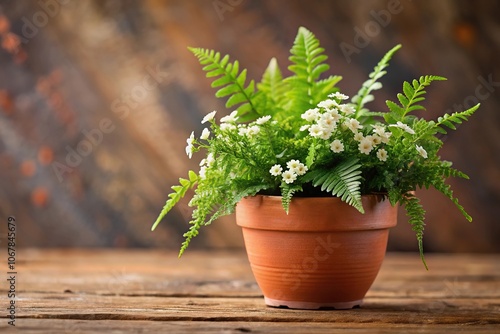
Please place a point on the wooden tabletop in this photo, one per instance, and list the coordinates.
(90, 291)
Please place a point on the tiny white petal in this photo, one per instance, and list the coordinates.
(263, 119)
(338, 95)
(422, 151)
(205, 134)
(208, 117)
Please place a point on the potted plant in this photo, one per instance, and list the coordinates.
(314, 177)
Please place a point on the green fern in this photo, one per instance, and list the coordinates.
(287, 191)
(342, 181)
(413, 93)
(273, 88)
(440, 185)
(307, 64)
(230, 81)
(457, 118)
(322, 88)
(177, 195)
(416, 214)
(363, 96)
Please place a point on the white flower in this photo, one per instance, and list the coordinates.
(403, 126)
(385, 137)
(338, 95)
(276, 170)
(210, 159)
(289, 176)
(376, 140)
(310, 115)
(382, 154)
(326, 134)
(253, 130)
(358, 136)
(353, 124)
(334, 114)
(422, 151)
(227, 126)
(190, 146)
(263, 119)
(365, 146)
(295, 166)
(347, 109)
(203, 172)
(203, 162)
(304, 127)
(208, 117)
(315, 130)
(242, 131)
(301, 169)
(327, 122)
(292, 164)
(379, 129)
(231, 118)
(336, 146)
(409, 130)
(205, 134)
(328, 104)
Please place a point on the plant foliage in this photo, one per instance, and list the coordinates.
(299, 136)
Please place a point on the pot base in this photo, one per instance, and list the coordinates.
(312, 305)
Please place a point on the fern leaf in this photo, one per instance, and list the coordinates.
(342, 181)
(230, 81)
(322, 88)
(177, 195)
(416, 214)
(372, 84)
(272, 86)
(307, 64)
(412, 93)
(287, 191)
(455, 118)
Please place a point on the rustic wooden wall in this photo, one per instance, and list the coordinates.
(118, 72)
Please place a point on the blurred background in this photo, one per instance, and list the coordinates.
(97, 99)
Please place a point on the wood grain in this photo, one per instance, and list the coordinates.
(90, 57)
(132, 290)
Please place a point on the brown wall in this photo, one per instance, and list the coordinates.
(67, 67)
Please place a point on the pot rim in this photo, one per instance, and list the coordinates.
(265, 212)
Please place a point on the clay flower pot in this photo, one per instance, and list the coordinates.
(323, 254)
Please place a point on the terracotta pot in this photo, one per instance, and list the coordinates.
(323, 254)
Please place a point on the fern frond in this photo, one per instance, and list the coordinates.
(363, 96)
(177, 195)
(445, 189)
(416, 215)
(287, 191)
(307, 64)
(230, 81)
(322, 88)
(455, 118)
(413, 92)
(272, 87)
(342, 181)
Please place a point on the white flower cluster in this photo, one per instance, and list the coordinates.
(206, 163)
(295, 168)
(326, 118)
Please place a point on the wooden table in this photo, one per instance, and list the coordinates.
(114, 291)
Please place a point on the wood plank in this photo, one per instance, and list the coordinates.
(89, 290)
(237, 327)
(375, 310)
